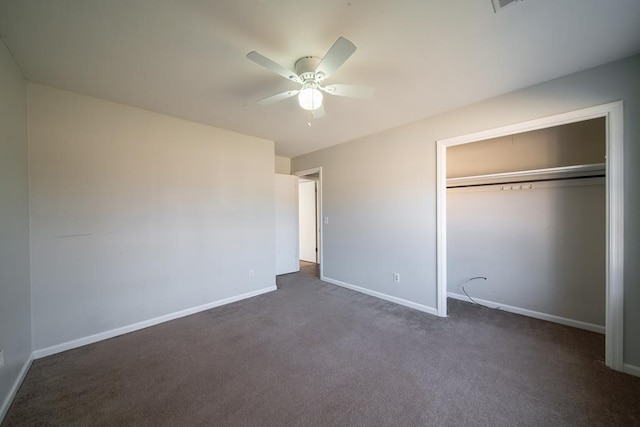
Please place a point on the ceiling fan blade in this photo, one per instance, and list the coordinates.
(278, 97)
(318, 112)
(341, 50)
(351, 91)
(270, 65)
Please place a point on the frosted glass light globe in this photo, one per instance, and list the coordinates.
(310, 97)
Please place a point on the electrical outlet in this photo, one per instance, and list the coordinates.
(1, 359)
(396, 277)
(250, 274)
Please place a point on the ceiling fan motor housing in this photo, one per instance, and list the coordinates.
(306, 68)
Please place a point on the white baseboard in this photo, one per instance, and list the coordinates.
(48, 351)
(14, 389)
(535, 314)
(380, 295)
(631, 370)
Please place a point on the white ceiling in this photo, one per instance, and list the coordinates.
(187, 58)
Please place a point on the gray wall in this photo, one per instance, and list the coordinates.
(15, 305)
(541, 249)
(380, 191)
(579, 143)
(136, 215)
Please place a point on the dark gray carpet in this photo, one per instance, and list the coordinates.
(312, 354)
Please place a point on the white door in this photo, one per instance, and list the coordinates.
(307, 197)
(286, 224)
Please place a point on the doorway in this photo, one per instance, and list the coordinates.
(308, 222)
(310, 233)
(613, 114)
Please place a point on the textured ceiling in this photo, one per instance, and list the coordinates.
(187, 58)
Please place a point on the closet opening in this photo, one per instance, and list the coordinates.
(530, 220)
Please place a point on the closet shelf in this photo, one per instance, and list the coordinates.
(563, 172)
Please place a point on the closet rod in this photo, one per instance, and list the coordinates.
(527, 181)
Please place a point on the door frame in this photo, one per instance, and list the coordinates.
(613, 114)
(320, 224)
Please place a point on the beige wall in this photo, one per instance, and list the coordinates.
(15, 305)
(136, 215)
(283, 165)
(379, 192)
(568, 145)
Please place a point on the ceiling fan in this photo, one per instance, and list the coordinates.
(310, 73)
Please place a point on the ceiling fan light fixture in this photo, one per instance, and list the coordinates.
(310, 97)
(311, 72)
